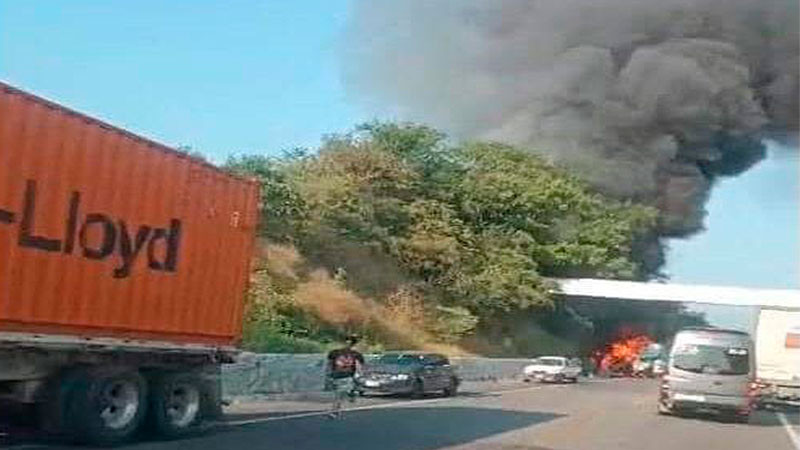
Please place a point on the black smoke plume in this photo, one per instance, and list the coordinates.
(649, 100)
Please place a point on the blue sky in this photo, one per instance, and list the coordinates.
(753, 229)
(752, 235)
(263, 76)
(220, 76)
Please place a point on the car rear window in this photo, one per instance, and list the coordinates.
(401, 360)
(550, 361)
(710, 359)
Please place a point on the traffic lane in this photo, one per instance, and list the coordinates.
(16, 420)
(387, 423)
(621, 414)
(428, 427)
(259, 414)
(603, 414)
(790, 419)
(591, 415)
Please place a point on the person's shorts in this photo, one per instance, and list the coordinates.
(341, 385)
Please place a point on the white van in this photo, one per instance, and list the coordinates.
(712, 370)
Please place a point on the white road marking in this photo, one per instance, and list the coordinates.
(236, 423)
(793, 435)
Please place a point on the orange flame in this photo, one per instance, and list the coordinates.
(620, 355)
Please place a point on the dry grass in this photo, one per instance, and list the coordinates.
(335, 304)
(280, 260)
(398, 321)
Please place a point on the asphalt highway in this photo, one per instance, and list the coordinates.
(594, 414)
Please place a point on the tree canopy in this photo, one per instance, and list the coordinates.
(483, 223)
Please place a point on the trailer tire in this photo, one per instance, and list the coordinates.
(178, 402)
(101, 406)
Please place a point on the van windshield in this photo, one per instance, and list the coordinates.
(712, 360)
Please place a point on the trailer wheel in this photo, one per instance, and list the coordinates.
(102, 406)
(176, 404)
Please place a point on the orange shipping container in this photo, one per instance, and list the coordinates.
(106, 234)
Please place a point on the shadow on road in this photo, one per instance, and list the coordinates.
(408, 428)
(465, 394)
(757, 419)
(16, 424)
(405, 428)
(323, 404)
(241, 416)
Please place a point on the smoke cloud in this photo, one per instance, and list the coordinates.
(648, 100)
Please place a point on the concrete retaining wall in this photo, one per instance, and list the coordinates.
(269, 374)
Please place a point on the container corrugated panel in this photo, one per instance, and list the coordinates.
(104, 233)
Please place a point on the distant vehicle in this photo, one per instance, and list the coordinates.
(710, 370)
(556, 369)
(414, 374)
(651, 363)
(778, 357)
(659, 367)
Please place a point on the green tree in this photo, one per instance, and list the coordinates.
(283, 210)
(481, 224)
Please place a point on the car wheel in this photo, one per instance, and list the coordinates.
(102, 406)
(559, 378)
(740, 418)
(452, 389)
(418, 391)
(176, 404)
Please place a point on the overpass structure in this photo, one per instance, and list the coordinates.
(589, 288)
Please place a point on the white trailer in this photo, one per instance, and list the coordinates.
(778, 356)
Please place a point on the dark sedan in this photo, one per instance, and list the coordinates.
(414, 374)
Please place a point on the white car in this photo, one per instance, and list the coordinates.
(553, 368)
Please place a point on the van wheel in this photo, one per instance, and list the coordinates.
(176, 404)
(101, 406)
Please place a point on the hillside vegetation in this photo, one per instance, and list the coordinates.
(397, 234)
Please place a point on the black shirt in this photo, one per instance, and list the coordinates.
(343, 362)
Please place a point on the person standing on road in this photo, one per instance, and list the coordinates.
(342, 366)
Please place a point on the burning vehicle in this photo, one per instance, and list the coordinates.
(632, 355)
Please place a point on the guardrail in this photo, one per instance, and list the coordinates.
(267, 374)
